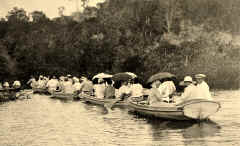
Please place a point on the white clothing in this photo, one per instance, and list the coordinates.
(6, 84)
(77, 86)
(16, 83)
(68, 87)
(166, 89)
(203, 90)
(52, 84)
(124, 90)
(137, 90)
(99, 90)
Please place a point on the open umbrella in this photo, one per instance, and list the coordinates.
(160, 76)
(132, 74)
(121, 76)
(101, 76)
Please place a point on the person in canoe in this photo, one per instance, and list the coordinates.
(202, 87)
(136, 88)
(52, 85)
(154, 96)
(33, 83)
(189, 90)
(16, 84)
(6, 84)
(86, 86)
(67, 86)
(166, 89)
(124, 91)
(1, 86)
(41, 82)
(109, 92)
(99, 89)
(76, 85)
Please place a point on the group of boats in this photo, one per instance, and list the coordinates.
(197, 109)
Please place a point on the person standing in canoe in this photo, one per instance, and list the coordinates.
(202, 87)
(67, 86)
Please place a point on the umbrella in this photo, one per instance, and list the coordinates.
(132, 74)
(101, 76)
(160, 76)
(121, 76)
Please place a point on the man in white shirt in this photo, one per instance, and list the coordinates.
(202, 87)
(52, 84)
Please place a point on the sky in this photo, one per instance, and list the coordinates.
(49, 7)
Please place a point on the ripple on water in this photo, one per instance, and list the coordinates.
(45, 121)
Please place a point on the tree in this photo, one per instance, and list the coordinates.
(17, 15)
(39, 16)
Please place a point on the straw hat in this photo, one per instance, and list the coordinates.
(200, 76)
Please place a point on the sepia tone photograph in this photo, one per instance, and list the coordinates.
(119, 72)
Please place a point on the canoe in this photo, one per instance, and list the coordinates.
(40, 90)
(103, 102)
(8, 94)
(200, 109)
(63, 96)
(191, 110)
(163, 112)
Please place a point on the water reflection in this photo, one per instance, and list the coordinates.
(188, 129)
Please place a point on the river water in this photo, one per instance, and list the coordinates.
(42, 121)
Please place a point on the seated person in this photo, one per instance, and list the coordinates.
(76, 85)
(136, 89)
(86, 86)
(154, 96)
(67, 86)
(100, 89)
(124, 91)
(202, 87)
(166, 89)
(52, 85)
(110, 90)
(16, 84)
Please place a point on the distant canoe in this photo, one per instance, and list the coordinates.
(8, 94)
(164, 112)
(102, 102)
(64, 96)
(200, 109)
(40, 90)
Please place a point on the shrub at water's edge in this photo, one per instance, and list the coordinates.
(143, 37)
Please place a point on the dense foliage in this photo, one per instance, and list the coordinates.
(183, 37)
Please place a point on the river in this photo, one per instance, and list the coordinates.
(42, 121)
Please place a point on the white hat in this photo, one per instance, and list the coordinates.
(188, 79)
(199, 76)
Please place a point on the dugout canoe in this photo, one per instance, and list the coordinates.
(63, 96)
(190, 110)
(40, 91)
(103, 102)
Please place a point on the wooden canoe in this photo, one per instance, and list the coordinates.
(170, 112)
(200, 109)
(93, 100)
(63, 96)
(40, 90)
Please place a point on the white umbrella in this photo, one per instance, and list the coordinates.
(101, 76)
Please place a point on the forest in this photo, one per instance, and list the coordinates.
(145, 37)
